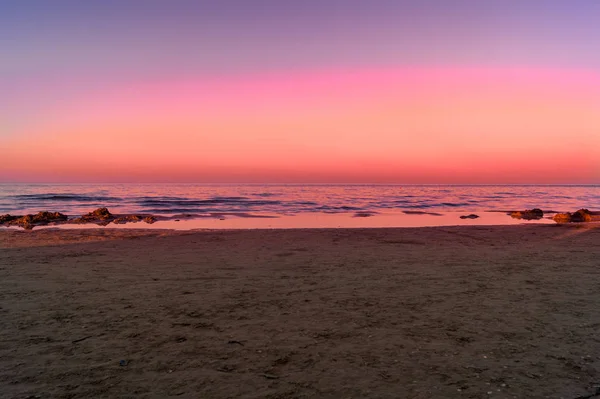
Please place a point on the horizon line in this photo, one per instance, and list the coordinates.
(304, 184)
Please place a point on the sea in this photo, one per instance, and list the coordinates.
(304, 202)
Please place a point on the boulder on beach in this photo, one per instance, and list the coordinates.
(471, 216)
(580, 216)
(529, 214)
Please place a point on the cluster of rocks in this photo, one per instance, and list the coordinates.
(529, 214)
(100, 216)
(580, 216)
(30, 221)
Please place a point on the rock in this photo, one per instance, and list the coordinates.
(562, 217)
(535, 212)
(28, 222)
(7, 218)
(471, 216)
(100, 216)
(25, 222)
(101, 213)
(362, 214)
(47, 217)
(529, 214)
(582, 215)
(103, 217)
(127, 219)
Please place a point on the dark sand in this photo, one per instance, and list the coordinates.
(447, 312)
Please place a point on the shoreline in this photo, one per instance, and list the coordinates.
(400, 218)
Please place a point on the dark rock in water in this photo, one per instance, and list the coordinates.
(529, 214)
(362, 214)
(100, 216)
(101, 213)
(127, 219)
(25, 222)
(103, 217)
(471, 216)
(580, 216)
(46, 217)
(562, 217)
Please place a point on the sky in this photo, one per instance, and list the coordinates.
(264, 91)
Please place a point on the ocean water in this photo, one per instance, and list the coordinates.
(203, 200)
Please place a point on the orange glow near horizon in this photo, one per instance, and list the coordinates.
(382, 126)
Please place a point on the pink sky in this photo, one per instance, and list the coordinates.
(392, 125)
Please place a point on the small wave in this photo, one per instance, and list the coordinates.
(455, 204)
(160, 198)
(221, 201)
(64, 197)
(307, 203)
(418, 206)
(180, 210)
(328, 208)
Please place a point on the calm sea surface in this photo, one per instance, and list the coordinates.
(174, 199)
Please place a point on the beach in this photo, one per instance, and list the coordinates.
(442, 312)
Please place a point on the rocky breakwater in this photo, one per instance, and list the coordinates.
(100, 216)
(580, 216)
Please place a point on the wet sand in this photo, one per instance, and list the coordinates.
(444, 312)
